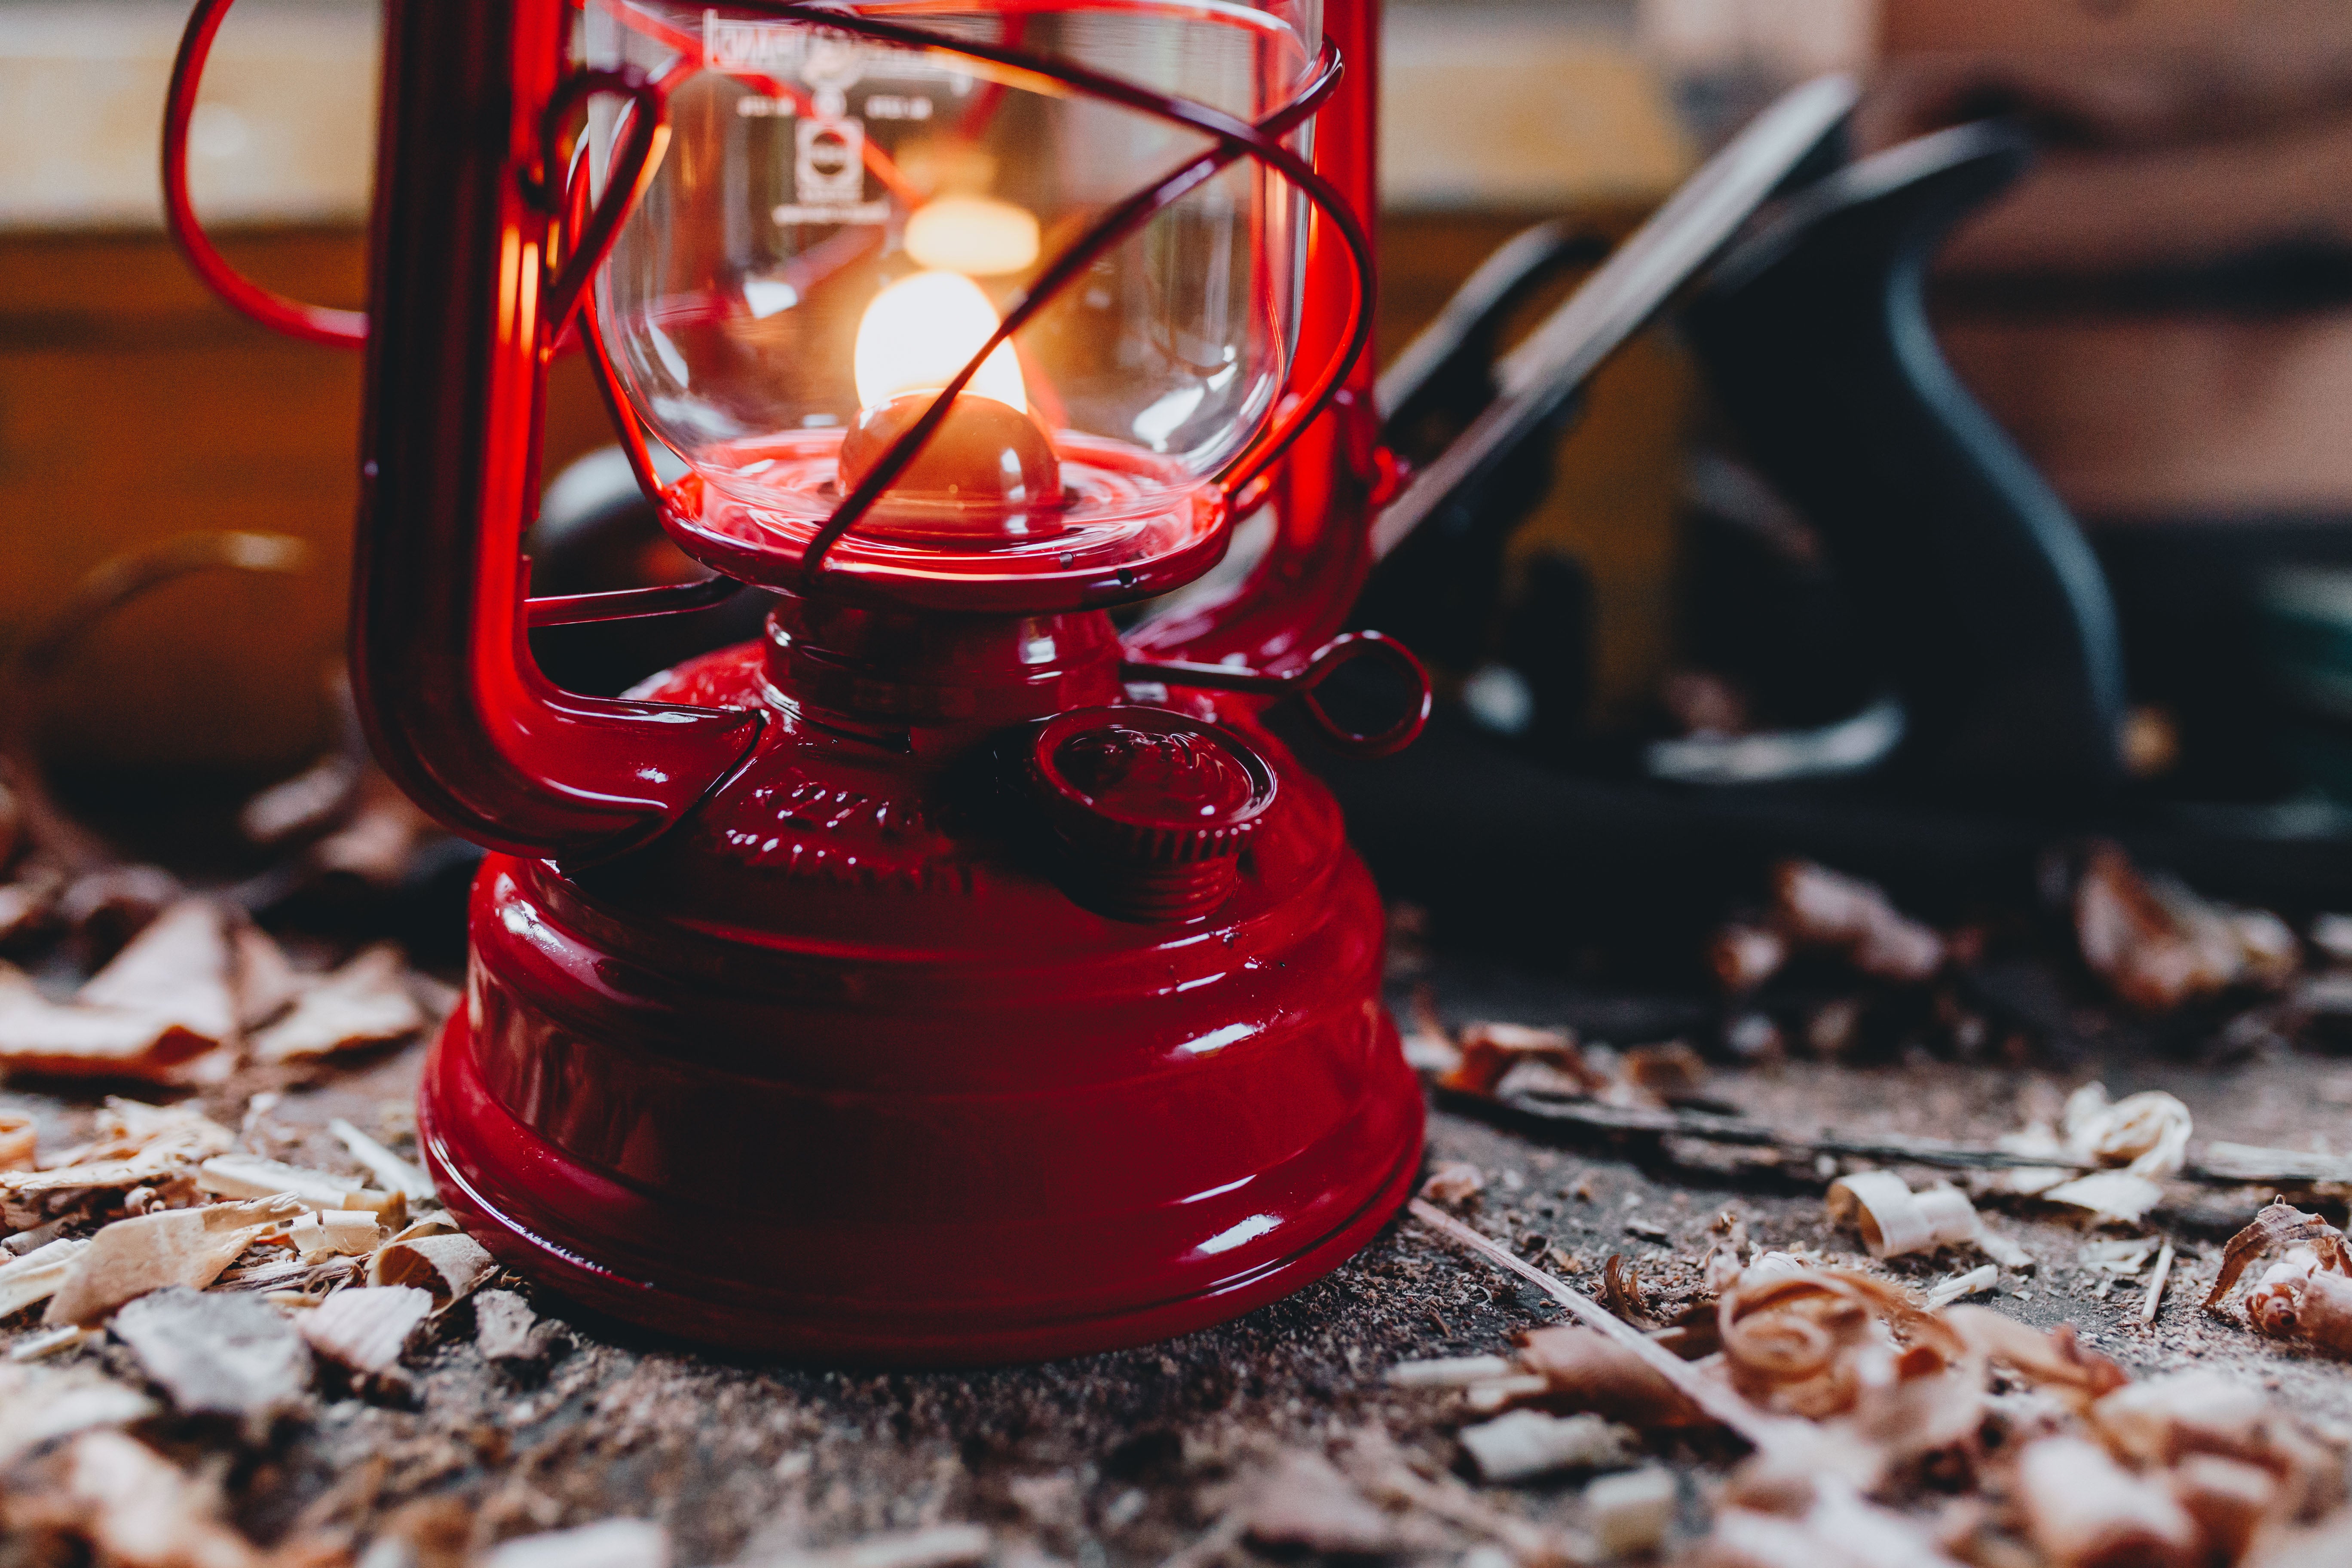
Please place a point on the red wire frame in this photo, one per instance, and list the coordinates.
(311, 323)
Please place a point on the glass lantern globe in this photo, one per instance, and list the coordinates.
(839, 225)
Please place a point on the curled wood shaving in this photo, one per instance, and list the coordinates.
(2279, 1224)
(1806, 1344)
(1894, 1220)
(1719, 1402)
(2056, 1360)
(446, 1267)
(175, 1247)
(2146, 1133)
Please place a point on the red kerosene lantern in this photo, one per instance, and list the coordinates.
(946, 975)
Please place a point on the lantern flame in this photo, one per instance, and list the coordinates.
(920, 331)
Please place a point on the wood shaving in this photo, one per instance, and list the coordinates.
(2156, 1285)
(365, 1330)
(328, 1233)
(251, 1176)
(41, 1405)
(1305, 1502)
(2111, 1197)
(1814, 907)
(1452, 1371)
(1974, 1282)
(140, 1511)
(2159, 1419)
(71, 1039)
(2280, 1225)
(180, 966)
(19, 1142)
(364, 1003)
(2082, 1508)
(1894, 1220)
(176, 1246)
(2158, 946)
(2056, 1361)
(2146, 1133)
(217, 1354)
(35, 1276)
(1490, 1050)
(937, 1546)
(445, 1266)
(1586, 1370)
(265, 982)
(1454, 1183)
(505, 1329)
(391, 1172)
(1631, 1513)
(43, 1343)
(1527, 1443)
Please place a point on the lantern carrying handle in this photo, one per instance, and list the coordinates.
(295, 319)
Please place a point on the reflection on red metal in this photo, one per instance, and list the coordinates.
(925, 982)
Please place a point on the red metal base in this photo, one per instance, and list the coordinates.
(850, 1066)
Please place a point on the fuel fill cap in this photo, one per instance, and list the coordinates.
(1155, 805)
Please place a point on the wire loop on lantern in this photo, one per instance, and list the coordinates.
(1234, 138)
(589, 237)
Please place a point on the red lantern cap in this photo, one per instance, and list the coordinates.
(1158, 803)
